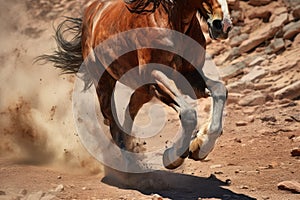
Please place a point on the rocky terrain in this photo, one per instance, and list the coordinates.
(257, 157)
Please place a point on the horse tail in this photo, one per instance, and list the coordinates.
(68, 55)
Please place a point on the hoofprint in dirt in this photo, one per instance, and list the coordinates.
(252, 156)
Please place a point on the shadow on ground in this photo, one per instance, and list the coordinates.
(174, 185)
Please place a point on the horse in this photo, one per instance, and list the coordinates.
(103, 19)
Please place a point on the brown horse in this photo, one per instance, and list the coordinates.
(102, 20)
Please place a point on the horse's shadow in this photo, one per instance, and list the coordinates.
(174, 185)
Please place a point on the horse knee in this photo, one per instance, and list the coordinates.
(219, 90)
(188, 118)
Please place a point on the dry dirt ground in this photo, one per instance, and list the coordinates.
(41, 156)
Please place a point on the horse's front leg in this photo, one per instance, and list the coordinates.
(205, 139)
(174, 156)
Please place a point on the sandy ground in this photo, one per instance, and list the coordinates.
(40, 150)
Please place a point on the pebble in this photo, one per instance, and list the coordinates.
(59, 188)
(295, 151)
(23, 192)
(241, 123)
(244, 187)
(216, 166)
(156, 197)
(292, 186)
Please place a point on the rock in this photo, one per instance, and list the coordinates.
(268, 119)
(59, 188)
(254, 99)
(49, 197)
(291, 3)
(261, 13)
(291, 91)
(2, 192)
(238, 86)
(36, 196)
(233, 97)
(251, 118)
(237, 40)
(257, 61)
(259, 2)
(233, 4)
(249, 110)
(232, 70)
(156, 197)
(291, 30)
(236, 16)
(292, 186)
(256, 73)
(275, 46)
(295, 151)
(241, 123)
(296, 117)
(296, 139)
(23, 192)
(296, 42)
(264, 33)
(296, 12)
(216, 166)
(236, 30)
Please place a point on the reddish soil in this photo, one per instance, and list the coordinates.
(39, 147)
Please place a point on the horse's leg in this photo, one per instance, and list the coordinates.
(205, 139)
(174, 156)
(140, 96)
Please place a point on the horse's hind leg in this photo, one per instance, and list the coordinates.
(205, 139)
(140, 96)
(174, 156)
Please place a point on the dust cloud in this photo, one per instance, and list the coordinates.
(36, 120)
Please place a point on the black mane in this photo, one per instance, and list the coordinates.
(147, 6)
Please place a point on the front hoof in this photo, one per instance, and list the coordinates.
(171, 160)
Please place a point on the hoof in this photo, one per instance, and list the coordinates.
(171, 160)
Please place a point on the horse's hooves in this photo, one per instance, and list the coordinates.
(169, 159)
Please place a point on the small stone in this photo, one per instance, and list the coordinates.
(257, 61)
(36, 196)
(228, 182)
(218, 172)
(233, 98)
(156, 197)
(296, 117)
(290, 91)
(251, 118)
(296, 12)
(58, 177)
(256, 73)
(48, 197)
(275, 46)
(268, 119)
(216, 166)
(295, 151)
(292, 30)
(292, 186)
(296, 139)
(249, 110)
(238, 140)
(259, 2)
(244, 187)
(23, 192)
(241, 123)
(59, 188)
(254, 99)
(237, 40)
